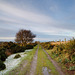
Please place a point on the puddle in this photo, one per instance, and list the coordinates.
(46, 71)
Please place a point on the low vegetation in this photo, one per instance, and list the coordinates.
(8, 48)
(20, 69)
(47, 45)
(64, 54)
(17, 56)
(42, 62)
(2, 65)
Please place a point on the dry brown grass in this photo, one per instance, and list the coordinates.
(58, 43)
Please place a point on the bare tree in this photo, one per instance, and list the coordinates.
(24, 36)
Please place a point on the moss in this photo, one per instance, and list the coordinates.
(17, 56)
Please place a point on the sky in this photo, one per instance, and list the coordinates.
(50, 20)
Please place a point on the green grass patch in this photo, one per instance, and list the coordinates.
(58, 60)
(43, 61)
(26, 69)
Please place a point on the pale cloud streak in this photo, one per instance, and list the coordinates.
(16, 18)
(7, 38)
(27, 15)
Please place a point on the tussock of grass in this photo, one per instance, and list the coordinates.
(43, 61)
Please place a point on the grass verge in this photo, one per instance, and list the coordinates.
(28, 59)
(43, 61)
(56, 59)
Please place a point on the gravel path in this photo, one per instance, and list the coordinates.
(54, 63)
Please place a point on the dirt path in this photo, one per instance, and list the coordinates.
(34, 63)
(55, 64)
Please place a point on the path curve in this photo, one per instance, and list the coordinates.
(54, 63)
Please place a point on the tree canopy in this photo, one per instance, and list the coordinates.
(24, 36)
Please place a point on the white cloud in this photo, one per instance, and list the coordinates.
(7, 38)
(53, 31)
(26, 15)
(42, 39)
(8, 19)
(30, 20)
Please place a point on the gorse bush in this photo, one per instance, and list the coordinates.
(17, 56)
(70, 49)
(28, 46)
(8, 48)
(2, 65)
(2, 54)
(63, 53)
(72, 68)
(47, 45)
(15, 48)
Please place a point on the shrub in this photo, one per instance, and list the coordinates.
(64, 61)
(17, 49)
(59, 60)
(2, 65)
(29, 46)
(17, 56)
(47, 45)
(72, 68)
(73, 58)
(2, 54)
(70, 47)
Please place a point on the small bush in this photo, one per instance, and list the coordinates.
(64, 61)
(72, 68)
(18, 49)
(59, 60)
(2, 54)
(73, 58)
(17, 56)
(29, 46)
(2, 65)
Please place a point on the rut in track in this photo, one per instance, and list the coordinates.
(34, 63)
(54, 63)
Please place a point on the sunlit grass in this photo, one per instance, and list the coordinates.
(29, 60)
(12, 63)
(25, 56)
(53, 56)
(43, 61)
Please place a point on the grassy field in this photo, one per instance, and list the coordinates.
(26, 60)
(43, 61)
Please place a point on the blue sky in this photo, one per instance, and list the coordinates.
(48, 19)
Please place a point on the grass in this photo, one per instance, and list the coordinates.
(49, 52)
(43, 61)
(26, 69)
(53, 56)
